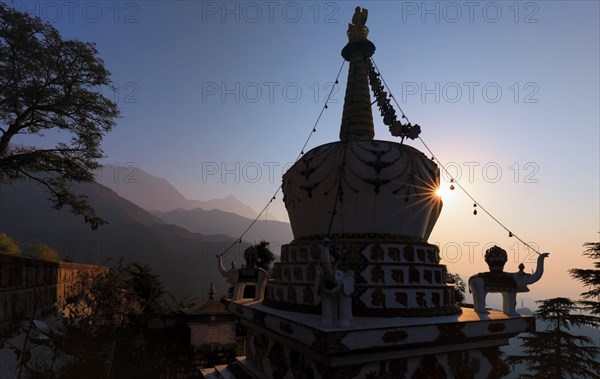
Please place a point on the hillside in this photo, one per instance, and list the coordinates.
(216, 221)
(184, 260)
(157, 194)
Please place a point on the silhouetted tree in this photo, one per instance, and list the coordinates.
(590, 278)
(503, 369)
(9, 245)
(51, 85)
(265, 255)
(555, 353)
(179, 306)
(459, 287)
(146, 288)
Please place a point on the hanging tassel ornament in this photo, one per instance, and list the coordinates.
(397, 128)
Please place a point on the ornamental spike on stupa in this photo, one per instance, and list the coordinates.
(360, 293)
(357, 119)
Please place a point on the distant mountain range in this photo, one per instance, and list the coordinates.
(157, 194)
(227, 216)
(218, 222)
(150, 222)
(184, 260)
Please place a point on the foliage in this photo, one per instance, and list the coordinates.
(459, 288)
(145, 287)
(172, 305)
(80, 344)
(43, 251)
(9, 245)
(142, 352)
(503, 369)
(590, 278)
(106, 331)
(101, 302)
(51, 85)
(555, 353)
(265, 255)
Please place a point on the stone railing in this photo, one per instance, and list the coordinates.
(23, 279)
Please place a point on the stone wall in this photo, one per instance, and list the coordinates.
(23, 279)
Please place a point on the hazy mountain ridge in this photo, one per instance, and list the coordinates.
(184, 260)
(217, 221)
(226, 216)
(154, 193)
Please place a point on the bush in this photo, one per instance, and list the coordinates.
(43, 251)
(9, 245)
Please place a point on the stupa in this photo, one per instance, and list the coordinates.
(359, 292)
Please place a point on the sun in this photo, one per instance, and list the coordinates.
(440, 192)
(443, 192)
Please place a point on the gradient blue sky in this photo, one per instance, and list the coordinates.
(533, 149)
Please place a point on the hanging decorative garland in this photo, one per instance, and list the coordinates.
(412, 131)
(397, 128)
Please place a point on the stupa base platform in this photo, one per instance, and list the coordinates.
(394, 276)
(283, 344)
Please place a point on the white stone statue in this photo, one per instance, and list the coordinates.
(507, 283)
(230, 274)
(335, 288)
(240, 278)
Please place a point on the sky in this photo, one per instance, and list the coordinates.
(219, 97)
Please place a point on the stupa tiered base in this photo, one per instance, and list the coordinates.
(395, 276)
(285, 344)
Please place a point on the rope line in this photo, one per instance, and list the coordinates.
(312, 131)
(434, 157)
(339, 189)
(511, 234)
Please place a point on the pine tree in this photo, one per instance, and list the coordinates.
(590, 278)
(555, 353)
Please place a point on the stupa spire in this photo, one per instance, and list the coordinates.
(357, 118)
(212, 292)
